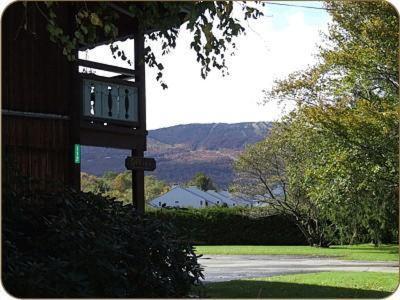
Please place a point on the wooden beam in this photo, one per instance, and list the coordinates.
(27, 114)
(105, 41)
(100, 138)
(105, 67)
(121, 10)
(123, 77)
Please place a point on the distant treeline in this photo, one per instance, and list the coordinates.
(119, 185)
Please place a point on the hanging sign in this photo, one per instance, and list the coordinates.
(140, 163)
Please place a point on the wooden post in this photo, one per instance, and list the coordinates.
(76, 93)
(140, 78)
(138, 200)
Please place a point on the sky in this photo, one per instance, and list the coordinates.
(283, 41)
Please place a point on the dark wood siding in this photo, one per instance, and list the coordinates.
(36, 78)
(39, 148)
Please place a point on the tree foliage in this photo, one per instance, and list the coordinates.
(119, 186)
(273, 172)
(154, 187)
(358, 59)
(337, 152)
(214, 25)
(202, 181)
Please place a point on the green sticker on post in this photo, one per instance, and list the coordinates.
(77, 153)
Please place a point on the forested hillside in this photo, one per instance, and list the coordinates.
(182, 151)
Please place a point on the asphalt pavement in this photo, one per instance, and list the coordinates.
(230, 267)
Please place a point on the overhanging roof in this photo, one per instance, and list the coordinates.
(128, 23)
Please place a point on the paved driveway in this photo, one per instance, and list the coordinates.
(230, 267)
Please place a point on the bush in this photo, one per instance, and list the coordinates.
(74, 244)
(230, 226)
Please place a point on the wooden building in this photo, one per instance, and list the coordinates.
(49, 108)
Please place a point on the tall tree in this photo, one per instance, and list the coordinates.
(275, 170)
(348, 103)
(358, 60)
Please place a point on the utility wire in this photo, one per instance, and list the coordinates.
(302, 6)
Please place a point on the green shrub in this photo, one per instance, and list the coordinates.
(230, 226)
(73, 244)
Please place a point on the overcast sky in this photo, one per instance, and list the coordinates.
(282, 41)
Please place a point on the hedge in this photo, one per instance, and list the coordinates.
(78, 245)
(231, 226)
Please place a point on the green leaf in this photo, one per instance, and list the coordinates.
(84, 29)
(107, 29)
(95, 20)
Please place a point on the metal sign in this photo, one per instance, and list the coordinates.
(140, 163)
(77, 153)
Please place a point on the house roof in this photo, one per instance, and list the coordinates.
(220, 196)
(202, 194)
(236, 198)
(178, 191)
(128, 23)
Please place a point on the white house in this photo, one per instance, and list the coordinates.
(196, 198)
(181, 197)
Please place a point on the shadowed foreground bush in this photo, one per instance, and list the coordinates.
(231, 226)
(73, 244)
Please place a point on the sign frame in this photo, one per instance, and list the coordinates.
(137, 163)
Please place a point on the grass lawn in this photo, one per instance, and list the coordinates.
(312, 285)
(354, 252)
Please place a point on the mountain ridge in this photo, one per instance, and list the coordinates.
(183, 150)
(211, 136)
